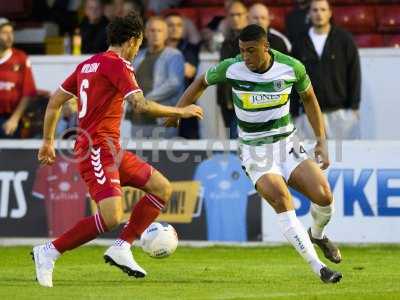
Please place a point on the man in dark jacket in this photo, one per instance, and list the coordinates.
(332, 62)
(93, 28)
(298, 21)
(236, 21)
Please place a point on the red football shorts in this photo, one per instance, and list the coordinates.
(105, 172)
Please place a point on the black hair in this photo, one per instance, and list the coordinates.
(121, 29)
(252, 33)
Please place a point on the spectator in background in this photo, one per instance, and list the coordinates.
(93, 28)
(160, 73)
(259, 14)
(109, 9)
(16, 82)
(237, 19)
(65, 15)
(332, 62)
(189, 128)
(298, 21)
(211, 40)
(135, 5)
(68, 120)
(157, 6)
(192, 34)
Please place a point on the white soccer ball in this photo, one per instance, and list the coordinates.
(159, 240)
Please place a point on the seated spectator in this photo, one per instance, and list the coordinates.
(160, 73)
(93, 28)
(17, 86)
(298, 21)
(189, 128)
(259, 14)
(333, 64)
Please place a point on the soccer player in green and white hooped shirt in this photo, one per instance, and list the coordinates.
(262, 80)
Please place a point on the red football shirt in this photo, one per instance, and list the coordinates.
(101, 83)
(16, 80)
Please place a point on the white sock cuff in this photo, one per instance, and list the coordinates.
(329, 209)
(287, 220)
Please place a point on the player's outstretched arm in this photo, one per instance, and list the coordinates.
(156, 110)
(46, 152)
(316, 120)
(190, 96)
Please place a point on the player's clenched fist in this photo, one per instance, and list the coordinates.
(47, 154)
(171, 122)
(192, 111)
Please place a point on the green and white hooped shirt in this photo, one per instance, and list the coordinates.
(262, 101)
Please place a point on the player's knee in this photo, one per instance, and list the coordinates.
(280, 201)
(112, 218)
(281, 205)
(165, 191)
(160, 187)
(324, 195)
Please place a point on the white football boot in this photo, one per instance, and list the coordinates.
(44, 259)
(121, 257)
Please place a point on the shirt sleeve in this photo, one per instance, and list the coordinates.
(217, 74)
(70, 85)
(122, 76)
(28, 86)
(303, 81)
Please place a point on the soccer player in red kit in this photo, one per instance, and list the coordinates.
(102, 83)
(17, 86)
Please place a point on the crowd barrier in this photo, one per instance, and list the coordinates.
(213, 200)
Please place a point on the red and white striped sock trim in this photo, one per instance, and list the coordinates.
(99, 224)
(155, 201)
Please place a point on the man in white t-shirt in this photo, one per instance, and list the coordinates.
(332, 62)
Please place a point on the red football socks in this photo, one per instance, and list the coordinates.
(84, 231)
(143, 214)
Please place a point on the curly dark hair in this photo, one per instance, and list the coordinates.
(121, 29)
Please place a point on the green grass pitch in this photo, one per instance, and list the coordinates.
(205, 273)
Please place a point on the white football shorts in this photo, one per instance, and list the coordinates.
(279, 158)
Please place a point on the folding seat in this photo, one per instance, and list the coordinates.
(346, 2)
(357, 19)
(389, 18)
(192, 3)
(16, 9)
(207, 14)
(272, 2)
(393, 41)
(278, 16)
(369, 40)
